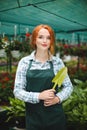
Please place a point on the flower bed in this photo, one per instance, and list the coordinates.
(6, 87)
(75, 50)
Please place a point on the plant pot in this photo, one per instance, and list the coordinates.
(15, 128)
(3, 117)
(20, 122)
(2, 53)
(76, 126)
(15, 53)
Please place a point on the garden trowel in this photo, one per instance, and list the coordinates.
(59, 77)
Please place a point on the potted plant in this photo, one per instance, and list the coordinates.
(76, 107)
(16, 112)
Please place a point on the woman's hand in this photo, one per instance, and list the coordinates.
(52, 101)
(47, 94)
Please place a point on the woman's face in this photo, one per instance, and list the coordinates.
(43, 39)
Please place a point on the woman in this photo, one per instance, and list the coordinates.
(33, 83)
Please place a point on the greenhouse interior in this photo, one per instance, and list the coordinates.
(68, 18)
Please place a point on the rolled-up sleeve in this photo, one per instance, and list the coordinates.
(20, 84)
(67, 88)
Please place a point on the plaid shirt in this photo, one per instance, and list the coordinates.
(20, 80)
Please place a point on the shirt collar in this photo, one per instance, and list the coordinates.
(32, 56)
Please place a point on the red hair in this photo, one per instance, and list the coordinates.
(35, 33)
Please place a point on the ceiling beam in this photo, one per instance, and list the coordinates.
(29, 4)
(78, 30)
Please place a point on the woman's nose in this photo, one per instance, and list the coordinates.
(44, 40)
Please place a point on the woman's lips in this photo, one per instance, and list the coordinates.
(44, 45)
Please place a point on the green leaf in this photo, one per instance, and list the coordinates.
(78, 81)
(59, 77)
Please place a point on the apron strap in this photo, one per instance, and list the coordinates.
(51, 64)
(30, 64)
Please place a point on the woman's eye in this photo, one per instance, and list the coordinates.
(48, 38)
(40, 37)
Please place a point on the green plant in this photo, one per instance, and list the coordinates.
(16, 108)
(76, 106)
(16, 113)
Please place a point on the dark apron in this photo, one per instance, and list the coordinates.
(39, 117)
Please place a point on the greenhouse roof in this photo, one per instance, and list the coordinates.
(68, 18)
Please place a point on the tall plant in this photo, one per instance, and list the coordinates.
(76, 106)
